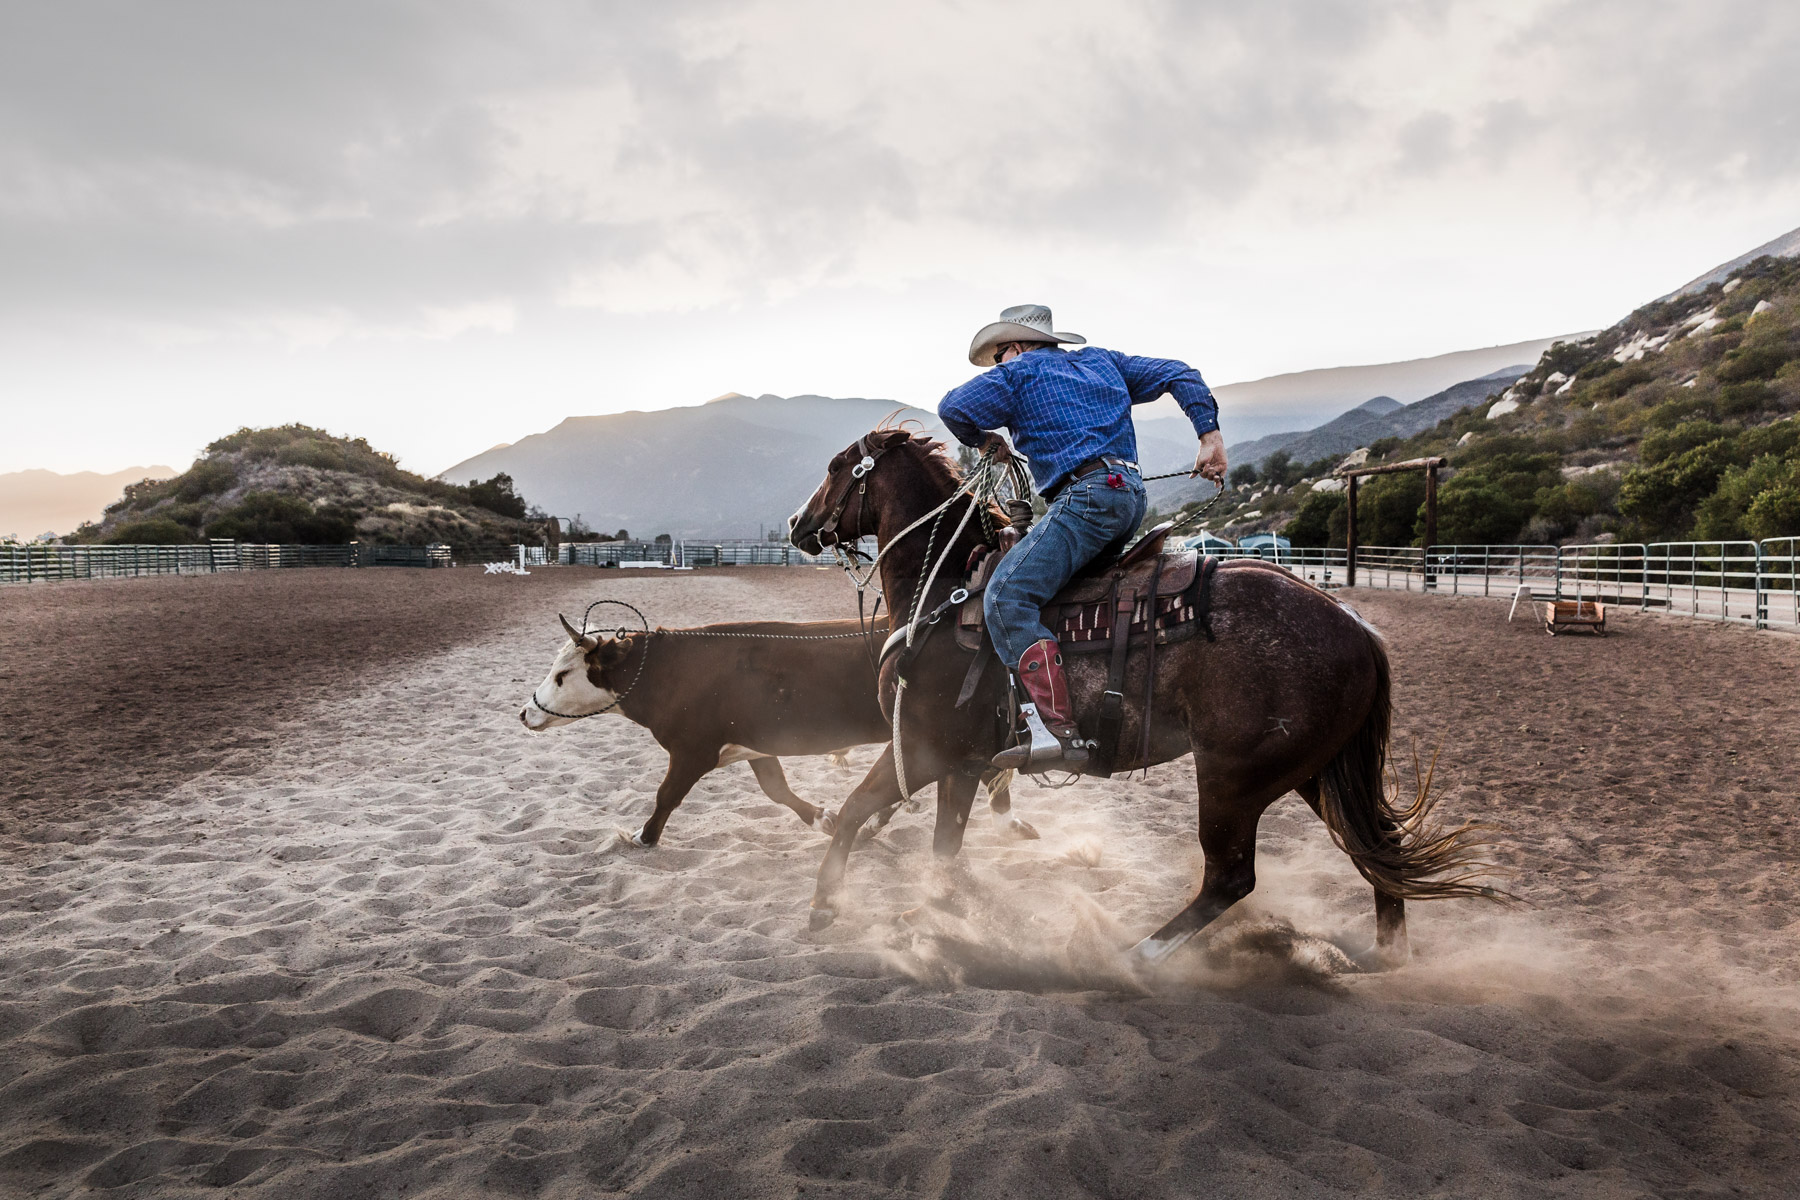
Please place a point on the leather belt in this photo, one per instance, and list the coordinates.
(1087, 468)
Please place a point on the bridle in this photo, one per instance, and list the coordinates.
(860, 474)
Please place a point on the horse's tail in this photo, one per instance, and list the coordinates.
(1395, 845)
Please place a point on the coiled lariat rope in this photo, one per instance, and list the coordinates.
(982, 485)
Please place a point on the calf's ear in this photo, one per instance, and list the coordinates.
(614, 650)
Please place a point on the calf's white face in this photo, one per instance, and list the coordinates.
(577, 684)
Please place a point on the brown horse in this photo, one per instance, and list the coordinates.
(1293, 695)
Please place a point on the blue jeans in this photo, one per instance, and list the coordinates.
(1087, 517)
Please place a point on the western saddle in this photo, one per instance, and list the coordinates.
(1122, 604)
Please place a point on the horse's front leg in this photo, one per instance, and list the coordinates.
(878, 789)
(956, 794)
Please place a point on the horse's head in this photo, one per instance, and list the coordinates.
(853, 494)
(583, 681)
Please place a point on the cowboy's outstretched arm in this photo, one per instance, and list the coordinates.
(1149, 378)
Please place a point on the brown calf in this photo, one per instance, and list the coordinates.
(733, 692)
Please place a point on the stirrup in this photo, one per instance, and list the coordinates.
(1043, 751)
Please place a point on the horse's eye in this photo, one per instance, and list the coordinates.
(560, 675)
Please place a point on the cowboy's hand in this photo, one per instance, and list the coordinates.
(1210, 462)
(994, 446)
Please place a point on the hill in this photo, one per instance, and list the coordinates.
(33, 503)
(1676, 423)
(729, 468)
(1370, 421)
(1785, 246)
(1306, 399)
(297, 484)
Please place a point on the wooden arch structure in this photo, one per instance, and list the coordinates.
(1352, 474)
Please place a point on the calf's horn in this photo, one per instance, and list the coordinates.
(573, 635)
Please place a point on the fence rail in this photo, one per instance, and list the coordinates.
(1753, 583)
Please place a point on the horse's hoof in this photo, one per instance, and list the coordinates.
(820, 918)
(1021, 830)
(636, 839)
(1377, 958)
(827, 823)
(1153, 950)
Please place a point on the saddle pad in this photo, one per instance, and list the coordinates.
(1081, 615)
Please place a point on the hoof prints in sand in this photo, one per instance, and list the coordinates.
(405, 951)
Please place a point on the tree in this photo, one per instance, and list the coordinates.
(1242, 475)
(497, 496)
(1311, 526)
(1387, 508)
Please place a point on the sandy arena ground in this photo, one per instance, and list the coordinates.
(291, 906)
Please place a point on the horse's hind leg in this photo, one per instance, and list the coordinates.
(1391, 947)
(1228, 819)
(773, 781)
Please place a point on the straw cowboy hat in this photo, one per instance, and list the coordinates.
(1021, 323)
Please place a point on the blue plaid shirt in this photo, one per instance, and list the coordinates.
(1064, 407)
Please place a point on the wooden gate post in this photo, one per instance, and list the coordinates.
(1430, 521)
(1350, 533)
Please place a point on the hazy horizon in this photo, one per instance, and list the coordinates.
(444, 229)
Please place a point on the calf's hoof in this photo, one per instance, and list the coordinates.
(827, 822)
(1021, 830)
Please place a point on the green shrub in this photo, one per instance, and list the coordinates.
(273, 517)
(205, 478)
(1760, 360)
(1475, 512)
(151, 531)
(312, 452)
(1661, 499)
(1776, 511)
(1742, 399)
(1693, 404)
(1387, 509)
(1617, 382)
(1668, 443)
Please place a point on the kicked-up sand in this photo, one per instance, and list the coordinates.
(291, 906)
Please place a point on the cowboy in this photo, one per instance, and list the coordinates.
(1069, 415)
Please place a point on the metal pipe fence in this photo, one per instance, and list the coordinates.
(1753, 583)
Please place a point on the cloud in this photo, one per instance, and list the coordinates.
(222, 165)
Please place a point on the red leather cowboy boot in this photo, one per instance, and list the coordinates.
(1054, 742)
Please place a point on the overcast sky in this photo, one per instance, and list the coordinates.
(450, 223)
